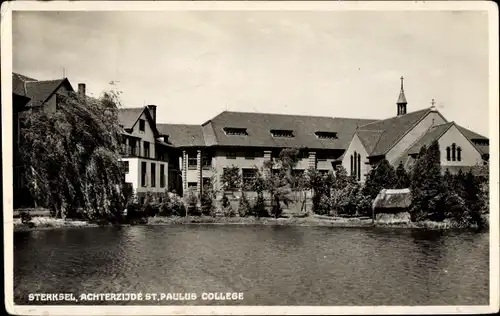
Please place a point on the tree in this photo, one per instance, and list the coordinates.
(207, 199)
(428, 189)
(381, 176)
(279, 183)
(244, 208)
(231, 178)
(402, 178)
(73, 157)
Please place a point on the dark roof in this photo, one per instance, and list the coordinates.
(473, 137)
(37, 90)
(183, 135)
(434, 133)
(40, 91)
(129, 116)
(259, 125)
(470, 134)
(392, 129)
(369, 139)
(393, 198)
(18, 84)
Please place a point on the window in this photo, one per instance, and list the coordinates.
(125, 166)
(143, 174)
(146, 149)
(235, 131)
(250, 155)
(153, 174)
(453, 152)
(355, 164)
(282, 133)
(326, 135)
(206, 161)
(231, 155)
(359, 167)
(352, 165)
(248, 178)
(162, 176)
(459, 154)
(132, 150)
(192, 185)
(142, 125)
(192, 161)
(448, 153)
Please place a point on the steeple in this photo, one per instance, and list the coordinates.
(402, 100)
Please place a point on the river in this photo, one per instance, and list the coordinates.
(270, 265)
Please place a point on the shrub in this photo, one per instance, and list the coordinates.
(207, 203)
(244, 206)
(134, 210)
(192, 205)
(225, 201)
(229, 211)
(177, 206)
(259, 207)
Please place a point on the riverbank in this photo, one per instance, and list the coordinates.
(40, 223)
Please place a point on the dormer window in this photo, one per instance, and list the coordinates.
(326, 135)
(282, 133)
(235, 131)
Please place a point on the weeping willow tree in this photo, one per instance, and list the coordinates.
(73, 157)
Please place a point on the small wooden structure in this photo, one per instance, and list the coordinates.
(392, 205)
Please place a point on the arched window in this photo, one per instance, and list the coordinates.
(453, 151)
(359, 167)
(355, 164)
(352, 166)
(459, 154)
(448, 156)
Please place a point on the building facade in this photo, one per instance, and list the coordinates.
(159, 157)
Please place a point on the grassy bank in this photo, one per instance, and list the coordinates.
(38, 223)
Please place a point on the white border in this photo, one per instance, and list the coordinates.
(6, 62)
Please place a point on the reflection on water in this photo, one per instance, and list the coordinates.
(272, 265)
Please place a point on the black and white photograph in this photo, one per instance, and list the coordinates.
(250, 157)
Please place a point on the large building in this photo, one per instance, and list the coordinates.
(161, 157)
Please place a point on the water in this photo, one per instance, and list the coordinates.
(271, 265)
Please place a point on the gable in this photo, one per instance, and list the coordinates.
(129, 119)
(393, 129)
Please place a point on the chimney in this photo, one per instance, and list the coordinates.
(81, 89)
(152, 110)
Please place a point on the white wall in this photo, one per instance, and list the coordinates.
(356, 146)
(470, 156)
(147, 136)
(134, 174)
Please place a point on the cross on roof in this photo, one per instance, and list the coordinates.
(433, 102)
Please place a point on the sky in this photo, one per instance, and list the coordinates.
(196, 64)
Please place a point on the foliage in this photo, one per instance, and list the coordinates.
(225, 201)
(207, 199)
(427, 186)
(320, 184)
(278, 182)
(259, 207)
(192, 204)
(231, 178)
(244, 206)
(381, 176)
(402, 177)
(73, 156)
